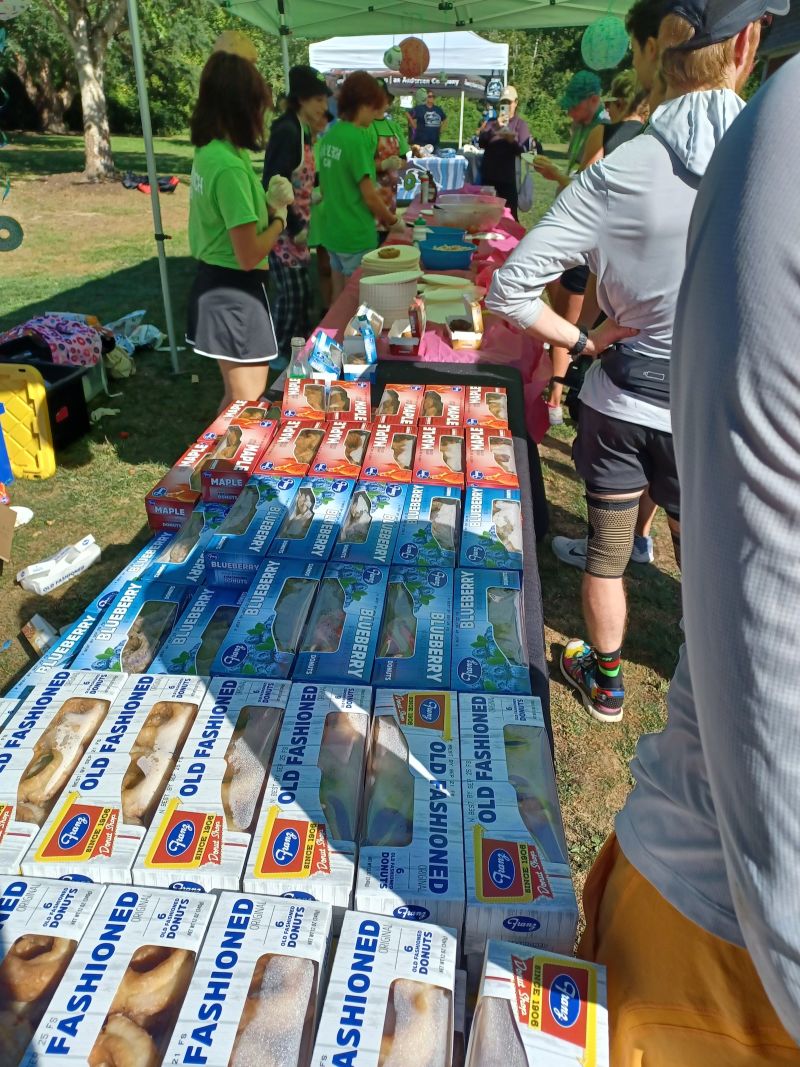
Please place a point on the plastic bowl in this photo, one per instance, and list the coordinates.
(470, 214)
(435, 259)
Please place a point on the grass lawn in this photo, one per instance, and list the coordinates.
(90, 249)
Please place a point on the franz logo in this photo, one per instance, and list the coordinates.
(370, 471)
(371, 575)
(74, 878)
(521, 924)
(74, 832)
(289, 414)
(437, 578)
(414, 912)
(180, 838)
(408, 551)
(161, 491)
(469, 670)
(476, 554)
(186, 887)
(423, 474)
(104, 601)
(394, 490)
(564, 1001)
(286, 847)
(476, 476)
(285, 483)
(234, 655)
(340, 486)
(267, 465)
(470, 422)
(429, 711)
(502, 870)
(320, 467)
(297, 895)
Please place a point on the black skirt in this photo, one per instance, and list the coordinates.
(229, 316)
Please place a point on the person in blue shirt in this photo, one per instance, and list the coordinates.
(427, 122)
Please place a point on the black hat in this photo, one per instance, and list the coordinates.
(305, 82)
(719, 20)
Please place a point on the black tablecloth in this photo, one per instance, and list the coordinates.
(534, 504)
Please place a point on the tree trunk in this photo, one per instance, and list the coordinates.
(97, 137)
(51, 103)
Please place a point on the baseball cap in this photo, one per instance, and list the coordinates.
(305, 82)
(581, 86)
(509, 93)
(719, 20)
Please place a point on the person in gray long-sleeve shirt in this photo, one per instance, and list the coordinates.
(704, 875)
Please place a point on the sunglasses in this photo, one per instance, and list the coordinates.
(765, 22)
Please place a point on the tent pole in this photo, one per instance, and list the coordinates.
(152, 176)
(461, 122)
(285, 54)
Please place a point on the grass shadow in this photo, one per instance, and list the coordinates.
(37, 155)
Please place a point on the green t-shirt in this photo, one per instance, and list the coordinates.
(389, 128)
(346, 156)
(225, 192)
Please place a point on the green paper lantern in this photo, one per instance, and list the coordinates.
(9, 9)
(604, 43)
(392, 58)
(421, 95)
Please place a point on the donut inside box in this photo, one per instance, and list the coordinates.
(263, 639)
(304, 398)
(341, 634)
(234, 459)
(148, 940)
(307, 833)
(466, 331)
(40, 746)
(411, 853)
(349, 402)
(216, 789)
(490, 458)
(492, 534)
(486, 405)
(390, 453)
(490, 647)
(414, 644)
(405, 1011)
(171, 500)
(405, 335)
(183, 560)
(292, 450)
(42, 923)
(443, 405)
(440, 455)
(430, 527)
(401, 404)
(99, 823)
(369, 532)
(341, 453)
(197, 635)
(266, 1012)
(313, 522)
(241, 541)
(243, 411)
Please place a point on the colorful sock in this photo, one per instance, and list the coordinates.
(609, 666)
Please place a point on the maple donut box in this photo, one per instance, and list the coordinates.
(486, 405)
(342, 451)
(234, 458)
(439, 458)
(293, 448)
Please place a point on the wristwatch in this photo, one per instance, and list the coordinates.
(581, 343)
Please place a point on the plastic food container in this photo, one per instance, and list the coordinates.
(469, 212)
(443, 254)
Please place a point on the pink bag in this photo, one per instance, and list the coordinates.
(70, 342)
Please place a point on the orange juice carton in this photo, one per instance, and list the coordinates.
(492, 534)
(415, 634)
(490, 458)
(342, 451)
(199, 837)
(539, 1009)
(404, 972)
(234, 459)
(443, 405)
(401, 404)
(518, 878)
(292, 450)
(170, 501)
(304, 398)
(349, 402)
(490, 645)
(359, 343)
(411, 855)
(440, 455)
(305, 844)
(134, 935)
(258, 984)
(486, 405)
(390, 453)
(369, 531)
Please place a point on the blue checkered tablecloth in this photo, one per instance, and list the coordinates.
(449, 174)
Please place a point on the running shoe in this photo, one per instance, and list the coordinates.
(571, 550)
(555, 413)
(579, 667)
(642, 550)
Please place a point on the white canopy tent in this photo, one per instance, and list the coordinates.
(462, 52)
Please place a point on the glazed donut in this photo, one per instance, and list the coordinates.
(121, 1043)
(248, 757)
(16, 1032)
(277, 1009)
(341, 760)
(143, 785)
(156, 980)
(165, 728)
(33, 967)
(417, 1022)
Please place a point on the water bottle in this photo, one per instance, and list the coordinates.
(297, 367)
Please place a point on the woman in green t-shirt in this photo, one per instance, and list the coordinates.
(232, 227)
(391, 153)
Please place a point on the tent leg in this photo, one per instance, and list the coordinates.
(461, 122)
(285, 54)
(152, 176)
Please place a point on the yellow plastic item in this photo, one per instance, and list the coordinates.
(26, 422)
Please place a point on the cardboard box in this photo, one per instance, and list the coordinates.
(490, 646)
(440, 456)
(401, 404)
(341, 634)
(170, 502)
(130, 927)
(539, 1008)
(216, 789)
(414, 646)
(293, 448)
(324, 358)
(260, 956)
(100, 820)
(314, 520)
(33, 912)
(133, 627)
(304, 398)
(241, 542)
(197, 635)
(369, 532)
(263, 640)
(443, 405)
(519, 885)
(305, 842)
(349, 402)
(402, 340)
(492, 534)
(390, 454)
(359, 341)
(486, 405)
(221, 423)
(235, 455)
(411, 857)
(430, 528)
(490, 458)
(183, 561)
(405, 974)
(342, 452)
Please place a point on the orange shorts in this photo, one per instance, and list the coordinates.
(678, 996)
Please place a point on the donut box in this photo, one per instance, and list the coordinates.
(170, 502)
(490, 458)
(263, 638)
(341, 634)
(486, 405)
(430, 527)
(306, 839)
(369, 531)
(324, 359)
(490, 645)
(349, 401)
(439, 459)
(492, 533)
(404, 974)
(519, 885)
(292, 449)
(97, 826)
(540, 1009)
(41, 922)
(183, 561)
(240, 543)
(192, 646)
(414, 644)
(202, 830)
(313, 522)
(244, 411)
(133, 627)
(234, 459)
(390, 453)
(342, 451)
(304, 398)
(411, 856)
(443, 405)
(401, 404)
(257, 985)
(125, 985)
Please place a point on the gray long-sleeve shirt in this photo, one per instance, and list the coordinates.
(714, 820)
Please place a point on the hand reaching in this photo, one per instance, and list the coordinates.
(392, 163)
(279, 193)
(606, 335)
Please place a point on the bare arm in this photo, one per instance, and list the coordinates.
(594, 148)
(249, 247)
(372, 199)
